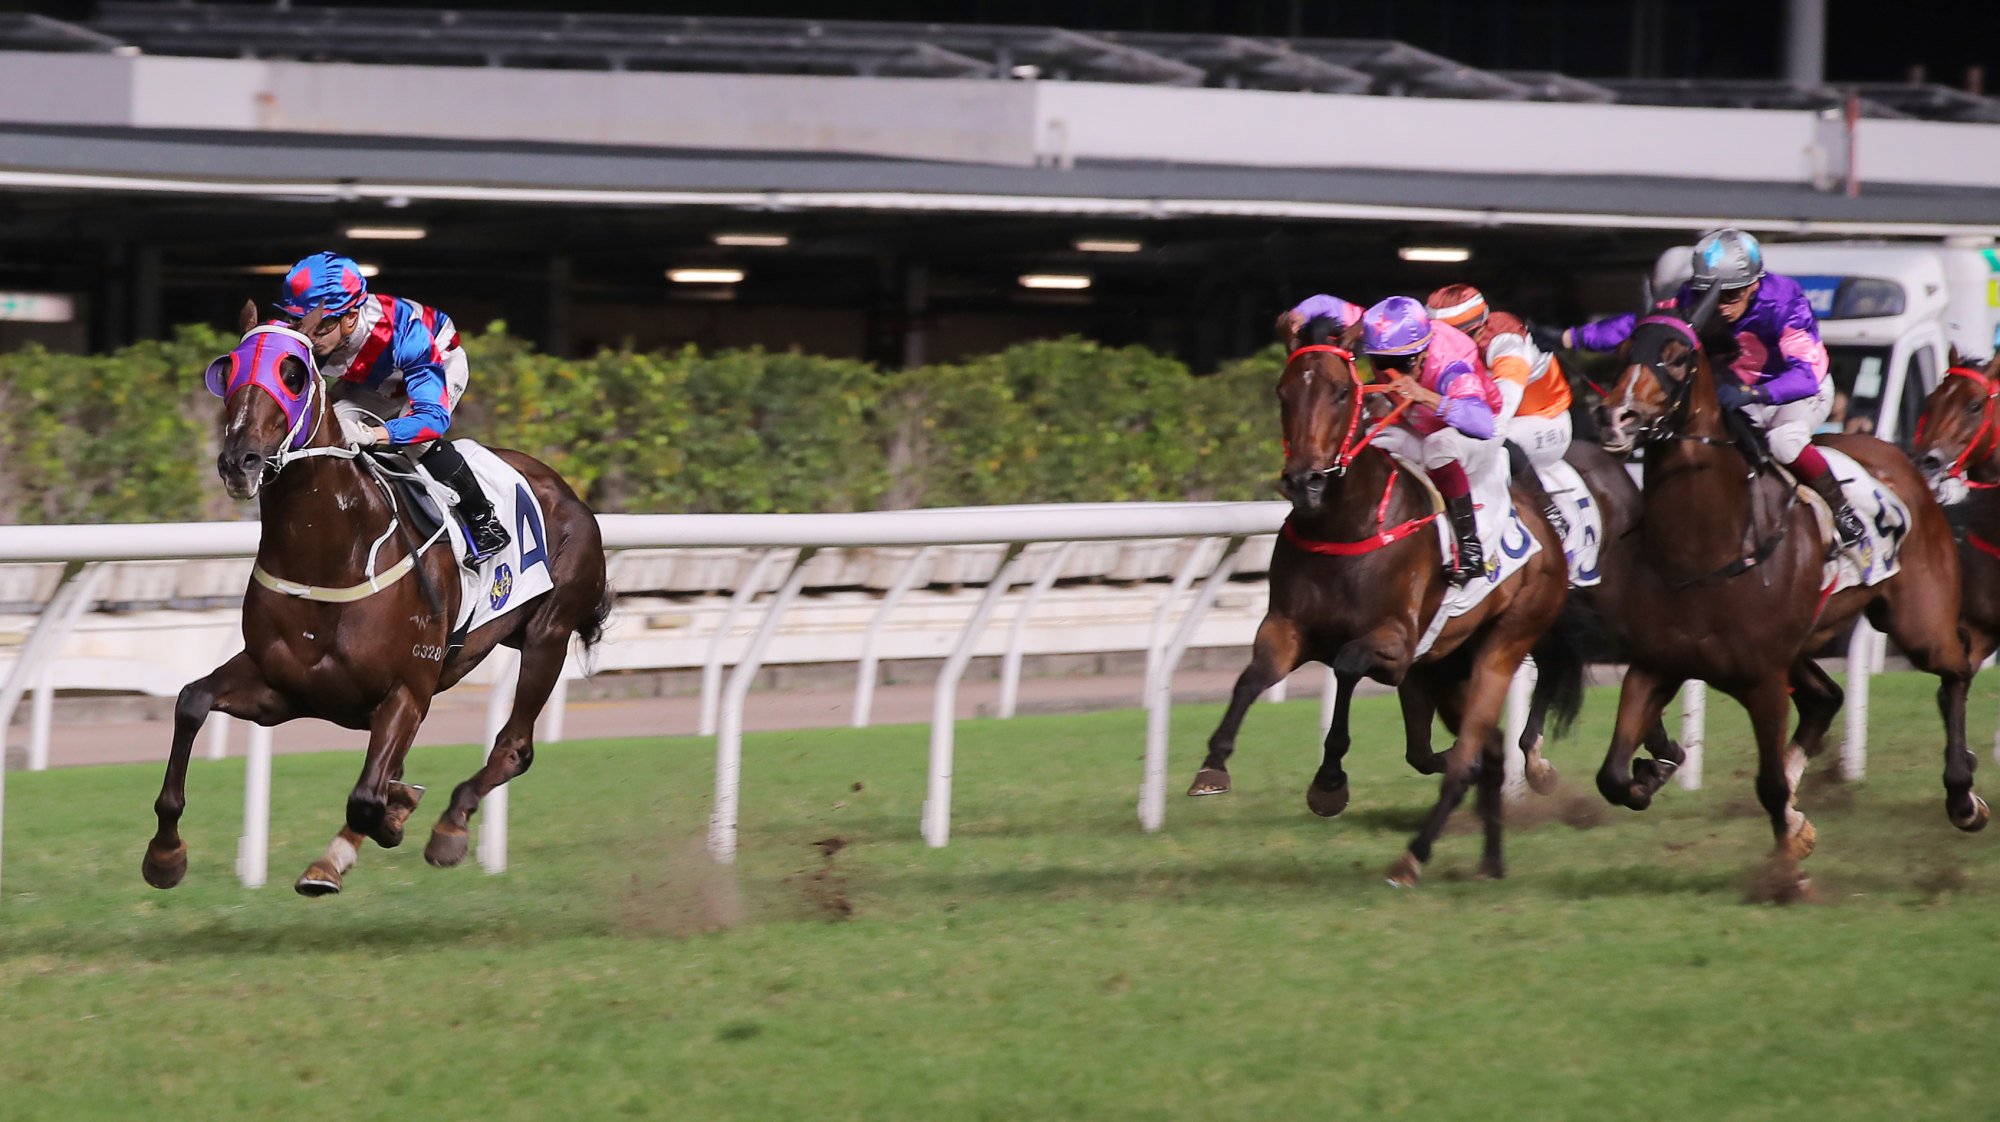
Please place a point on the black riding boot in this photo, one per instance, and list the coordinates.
(1471, 557)
(489, 534)
(1846, 523)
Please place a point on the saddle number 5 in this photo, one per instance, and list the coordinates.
(528, 531)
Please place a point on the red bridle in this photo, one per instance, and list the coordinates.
(1348, 450)
(1988, 431)
(1349, 446)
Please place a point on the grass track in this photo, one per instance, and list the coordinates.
(1051, 963)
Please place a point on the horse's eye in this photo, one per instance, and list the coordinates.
(295, 377)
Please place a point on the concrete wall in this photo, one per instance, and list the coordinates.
(993, 122)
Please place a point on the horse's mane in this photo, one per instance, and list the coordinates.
(1321, 331)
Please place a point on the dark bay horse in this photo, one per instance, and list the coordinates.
(1726, 585)
(1957, 447)
(362, 654)
(1355, 579)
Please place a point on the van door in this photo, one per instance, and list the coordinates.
(1915, 365)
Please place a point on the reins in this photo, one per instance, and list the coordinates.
(1987, 432)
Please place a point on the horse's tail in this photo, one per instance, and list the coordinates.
(591, 630)
(1562, 660)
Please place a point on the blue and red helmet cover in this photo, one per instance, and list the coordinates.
(324, 280)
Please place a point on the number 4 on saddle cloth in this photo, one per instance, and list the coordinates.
(509, 578)
(1885, 521)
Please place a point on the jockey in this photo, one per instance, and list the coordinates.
(1450, 425)
(373, 344)
(1534, 396)
(1782, 382)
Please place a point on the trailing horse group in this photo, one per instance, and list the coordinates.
(1444, 528)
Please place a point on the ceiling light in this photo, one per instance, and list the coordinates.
(1108, 245)
(368, 270)
(385, 233)
(754, 241)
(1436, 254)
(705, 276)
(1054, 280)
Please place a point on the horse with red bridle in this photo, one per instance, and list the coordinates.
(349, 617)
(1355, 581)
(1957, 447)
(1729, 583)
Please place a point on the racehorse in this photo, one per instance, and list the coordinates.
(366, 649)
(1726, 586)
(1957, 447)
(1355, 579)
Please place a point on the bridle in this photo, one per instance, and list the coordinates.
(299, 437)
(1987, 433)
(1352, 443)
(1664, 426)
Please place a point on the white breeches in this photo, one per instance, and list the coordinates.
(1788, 428)
(1544, 439)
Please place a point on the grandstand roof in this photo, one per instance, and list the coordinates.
(570, 40)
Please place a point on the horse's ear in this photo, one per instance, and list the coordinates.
(1705, 311)
(1993, 365)
(1350, 336)
(1952, 357)
(247, 318)
(1646, 296)
(311, 322)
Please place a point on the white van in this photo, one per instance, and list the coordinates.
(1889, 312)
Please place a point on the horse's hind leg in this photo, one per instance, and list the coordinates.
(1939, 646)
(1479, 738)
(1539, 772)
(1818, 698)
(235, 688)
(1326, 796)
(1274, 655)
(513, 753)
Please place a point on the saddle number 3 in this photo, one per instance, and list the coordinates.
(528, 531)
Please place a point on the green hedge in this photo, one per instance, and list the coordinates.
(131, 436)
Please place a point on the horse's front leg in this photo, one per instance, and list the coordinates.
(236, 688)
(1641, 699)
(372, 807)
(1326, 795)
(1274, 655)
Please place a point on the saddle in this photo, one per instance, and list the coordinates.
(420, 500)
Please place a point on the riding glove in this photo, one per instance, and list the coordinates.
(1733, 394)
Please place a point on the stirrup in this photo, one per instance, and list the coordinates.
(1556, 520)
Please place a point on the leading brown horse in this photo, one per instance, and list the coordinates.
(359, 656)
(1355, 579)
(1727, 587)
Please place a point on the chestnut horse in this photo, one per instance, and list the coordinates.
(1726, 585)
(1957, 447)
(359, 656)
(1355, 579)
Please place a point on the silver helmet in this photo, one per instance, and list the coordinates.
(1727, 258)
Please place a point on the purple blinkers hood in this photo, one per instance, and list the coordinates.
(259, 361)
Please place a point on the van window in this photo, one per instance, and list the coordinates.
(1858, 377)
(1919, 374)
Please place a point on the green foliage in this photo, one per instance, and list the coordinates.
(130, 436)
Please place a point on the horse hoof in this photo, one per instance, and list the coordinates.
(1326, 804)
(1976, 821)
(1490, 869)
(1542, 777)
(319, 879)
(1210, 781)
(1638, 797)
(1800, 845)
(447, 846)
(165, 869)
(1406, 872)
